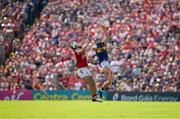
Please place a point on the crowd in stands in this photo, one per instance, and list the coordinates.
(15, 18)
(144, 49)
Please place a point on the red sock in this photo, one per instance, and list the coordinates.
(94, 96)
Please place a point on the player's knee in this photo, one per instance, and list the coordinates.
(93, 83)
(91, 80)
(110, 82)
(108, 71)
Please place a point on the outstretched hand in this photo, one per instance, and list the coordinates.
(102, 26)
(106, 33)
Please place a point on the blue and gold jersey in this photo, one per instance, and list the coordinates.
(101, 52)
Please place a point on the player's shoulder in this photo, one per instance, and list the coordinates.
(104, 44)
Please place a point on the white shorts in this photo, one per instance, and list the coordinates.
(105, 64)
(83, 72)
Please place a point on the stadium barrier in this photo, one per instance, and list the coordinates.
(145, 96)
(63, 95)
(46, 95)
(16, 95)
(85, 95)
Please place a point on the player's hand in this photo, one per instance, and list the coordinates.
(102, 26)
(94, 47)
(87, 41)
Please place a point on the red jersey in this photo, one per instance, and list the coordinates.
(81, 60)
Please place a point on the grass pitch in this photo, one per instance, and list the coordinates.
(88, 110)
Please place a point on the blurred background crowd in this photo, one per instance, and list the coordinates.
(144, 47)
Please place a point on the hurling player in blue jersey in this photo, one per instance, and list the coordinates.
(103, 60)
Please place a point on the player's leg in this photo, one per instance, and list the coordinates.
(106, 69)
(92, 86)
(85, 74)
(109, 78)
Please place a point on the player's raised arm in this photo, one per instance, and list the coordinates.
(106, 33)
(84, 47)
(86, 43)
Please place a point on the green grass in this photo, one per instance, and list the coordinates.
(88, 110)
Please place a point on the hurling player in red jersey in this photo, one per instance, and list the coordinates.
(83, 71)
